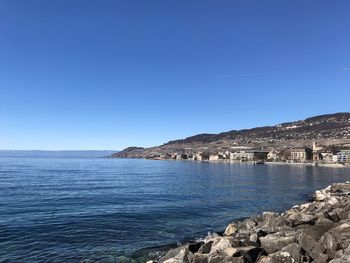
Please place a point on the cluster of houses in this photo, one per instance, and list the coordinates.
(315, 154)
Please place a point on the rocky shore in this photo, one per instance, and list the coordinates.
(318, 232)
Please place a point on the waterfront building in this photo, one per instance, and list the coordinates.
(301, 155)
(273, 156)
(241, 156)
(182, 156)
(260, 155)
(343, 156)
(335, 158)
(213, 157)
(327, 157)
(248, 155)
(201, 156)
(316, 152)
(197, 157)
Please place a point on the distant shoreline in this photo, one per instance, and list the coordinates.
(328, 165)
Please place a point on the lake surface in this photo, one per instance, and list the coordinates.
(96, 210)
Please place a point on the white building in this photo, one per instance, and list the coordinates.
(301, 155)
(242, 156)
(273, 156)
(327, 157)
(335, 158)
(213, 157)
(343, 156)
(197, 157)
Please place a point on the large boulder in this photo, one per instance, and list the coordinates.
(220, 244)
(251, 253)
(344, 258)
(313, 247)
(170, 254)
(217, 258)
(324, 221)
(275, 242)
(341, 234)
(340, 189)
(278, 257)
(206, 247)
(294, 250)
(230, 229)
(230, 251)
(199, 258)
(296, 218)
(194, 247)
(178, 255)
(270, 220)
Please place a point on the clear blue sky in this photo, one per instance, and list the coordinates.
(110, 74)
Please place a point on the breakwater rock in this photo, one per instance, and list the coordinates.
(318, 231)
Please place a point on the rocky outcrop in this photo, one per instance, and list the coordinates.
(313, 232)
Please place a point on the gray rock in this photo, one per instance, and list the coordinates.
(344, 257)
(300, 218)
(278, 257)
(271, 230)
(344, 212)
(320, 258)
(346, 254)
(329, 241)
(194, 247)
(235, 260)
(250, 254)
(206, 247)
(338, 260)
(270, 215)
(220, 258)
(340, 189)
(294, 250)
(314, 248)
(230, 229)
(253, 237)
(199, 258)
(306, 241)
(230, 251)
(220, 244)
(177, 255)
(275, 242)
(339, 253)
(323, 221)
(216, 258)
(248, 224)
(342, 233)
(170, 254)
(333, 216)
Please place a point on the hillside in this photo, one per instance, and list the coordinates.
(330, 129)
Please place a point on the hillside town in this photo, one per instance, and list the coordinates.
(314, 154)
(323, 140)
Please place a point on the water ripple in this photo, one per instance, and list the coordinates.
(96, 210)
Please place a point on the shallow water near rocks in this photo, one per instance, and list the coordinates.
(97, 210)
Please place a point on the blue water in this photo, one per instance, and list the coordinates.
(96, 210)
